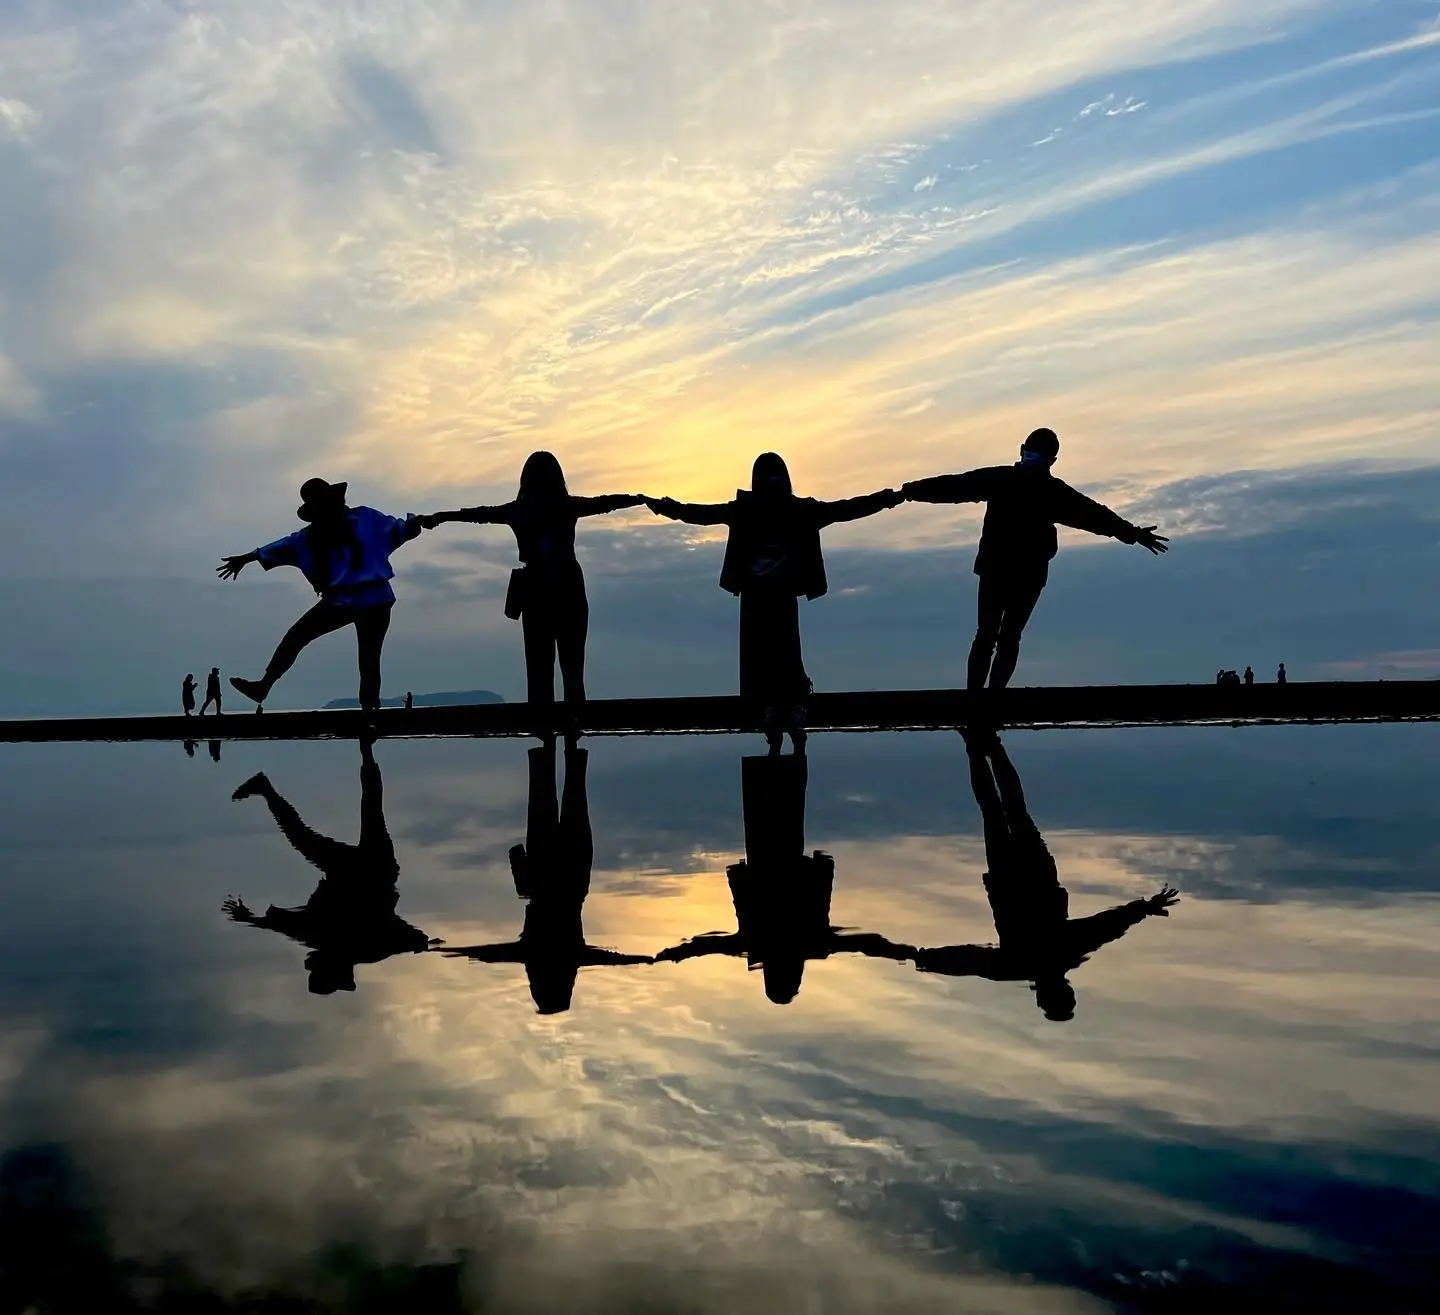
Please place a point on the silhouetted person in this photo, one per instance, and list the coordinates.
(551, 871)
(190, 746)
(214, 747)
(350, 917)
(212, 691)
(1249, 676)
(1220, 677)
(547, 592)
(409, 700)
(1039, 942)
(1280, 676)
(187, 694)
(773, 557)
(1025, 503)
(344, 552)
(781, 893)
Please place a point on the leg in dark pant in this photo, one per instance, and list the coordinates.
(538, 625)
(371, 626)
(1006, 603)
(572, 623)
(322, 619)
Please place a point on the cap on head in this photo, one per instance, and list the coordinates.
(317, 496)
(1043, 443)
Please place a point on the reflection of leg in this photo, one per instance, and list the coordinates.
(1019, 604)
(322, 619)
(537, 623)
(571, 625)
(325, 853)
(575, 832)
(992, 809)
(375, 841)
(371, 626)
(542, 810)
(990, 607)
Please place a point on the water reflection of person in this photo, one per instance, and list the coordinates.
(350, 918)
(552, 874)
(1039, 942)
(781, 893)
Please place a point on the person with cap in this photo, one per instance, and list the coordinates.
(350, 917)
(772, 557)
(1025, 503)
(187, 694)
(344, 552)
(212, 691)
(1039, 942)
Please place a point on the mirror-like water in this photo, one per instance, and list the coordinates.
(654, 1026)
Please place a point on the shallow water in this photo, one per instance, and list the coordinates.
(1244, 1100)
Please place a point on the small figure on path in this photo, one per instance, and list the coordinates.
(212, 691)
(773, 557)
(1025, 503)
(547, 590)
(344, 552)
(214, 747)
(187, 694)
(409, 700)
(781, 894)
(1249, 675)
(551, 871)
(350, 917)
(1040, 942)
(190, 746)
(1280, 676)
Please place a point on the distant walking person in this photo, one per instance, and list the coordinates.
(212, 691)
(547, 591)
(409, 700)
(773, 557)
(187, 693)
(1249, 675)
(1040, 942)
(1280, 676)
(1025, 503)
(344, 552)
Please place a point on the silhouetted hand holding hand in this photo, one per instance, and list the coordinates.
(893, 497)
(431, 519)
(662, 506)
(1147, 538)
(237, 910)
(1159, 905)
(230, 567)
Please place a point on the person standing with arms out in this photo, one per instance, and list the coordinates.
(547, 591)
(212, 691)
(1018, 541)
(344, 552)
(187, 693)
(772, 557)
(1280, 676)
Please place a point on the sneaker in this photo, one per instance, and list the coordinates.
(252, 689)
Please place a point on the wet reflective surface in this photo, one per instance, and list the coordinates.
(659, 1026)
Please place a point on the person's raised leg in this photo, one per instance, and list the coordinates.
(322, 619)
(989, 608)
(326, 854)
(1019, 605)
(371, 626)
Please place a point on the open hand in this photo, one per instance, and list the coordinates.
(430, 521)
(230, 567)
(1147, 538)
(237, 910)
(1159, 905)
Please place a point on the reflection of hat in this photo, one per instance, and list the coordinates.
(318, 495)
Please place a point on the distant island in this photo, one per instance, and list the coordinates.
(449, 698)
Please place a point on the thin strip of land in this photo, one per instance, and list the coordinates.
(1305, 703)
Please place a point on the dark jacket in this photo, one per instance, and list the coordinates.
(545, 528)
(1025, 505)
(777, 541)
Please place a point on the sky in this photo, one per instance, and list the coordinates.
(405, 245)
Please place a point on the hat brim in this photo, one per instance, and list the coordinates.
(334, 493)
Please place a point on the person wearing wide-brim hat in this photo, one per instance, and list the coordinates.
(344, 552)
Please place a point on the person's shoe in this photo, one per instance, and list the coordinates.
(257, 784)
(251, 689)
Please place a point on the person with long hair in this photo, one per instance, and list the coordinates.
(344, 552)
(547, 591)
(773, 557)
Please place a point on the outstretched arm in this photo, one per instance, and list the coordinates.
(1088, 934)
(854, 509)
(692, 513)
(470, 516)
(230, 567)
(712, 942)
(592, 956)
(1074, 509)
(969, 486)
(506, 952)
(872, 945)
(598, 506)
(961, 961)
